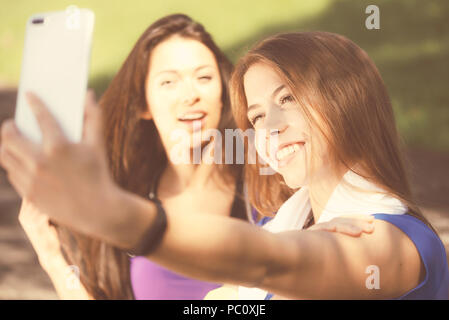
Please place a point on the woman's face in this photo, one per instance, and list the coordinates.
(283, 136)
(183, 89)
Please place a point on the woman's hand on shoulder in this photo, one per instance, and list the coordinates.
(352, 225)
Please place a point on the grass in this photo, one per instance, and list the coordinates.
(411, 49)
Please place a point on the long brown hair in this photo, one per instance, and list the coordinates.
(135, 152)
(341, 93)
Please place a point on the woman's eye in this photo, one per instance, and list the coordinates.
(205, 78)
(286, 98)
(254, 119)
(166, 82)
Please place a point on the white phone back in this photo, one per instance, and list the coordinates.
(55, 67)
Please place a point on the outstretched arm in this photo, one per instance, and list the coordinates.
(311, 264)
(294, 264)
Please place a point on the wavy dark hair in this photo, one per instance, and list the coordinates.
(104, 269)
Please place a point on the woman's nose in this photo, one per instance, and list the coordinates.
(190, 95)
(275, 122)
(274, 133)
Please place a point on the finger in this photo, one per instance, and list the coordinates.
(9, 162)
(93, 125)
(17, 182)
(368, 227)
(18, 145)
(50, 128)
(340, 227)
(17, 173)
(348, 229)
(364, 225)
(326, 226)
(86, 111)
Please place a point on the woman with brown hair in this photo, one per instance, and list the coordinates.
(174, 75)
(323, 100)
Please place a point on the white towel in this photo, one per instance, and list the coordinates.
(344, 200)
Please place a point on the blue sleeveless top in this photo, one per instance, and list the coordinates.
(435, 285)
(433, 255)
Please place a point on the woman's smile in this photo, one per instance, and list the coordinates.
(193, 120)
(287, 152)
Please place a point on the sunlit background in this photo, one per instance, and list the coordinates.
(411, 50)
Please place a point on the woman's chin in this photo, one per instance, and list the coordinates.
(294, 181)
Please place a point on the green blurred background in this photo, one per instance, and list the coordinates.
(411, 49)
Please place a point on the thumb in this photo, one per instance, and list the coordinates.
(93, 121)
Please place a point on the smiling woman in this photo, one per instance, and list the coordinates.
(184, 88)
(323, 99)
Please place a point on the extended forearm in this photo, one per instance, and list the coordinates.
(202, 246)
(214, 248)
(122, 218)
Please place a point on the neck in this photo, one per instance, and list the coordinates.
(178, 177)
(321, 188)
(182, 175)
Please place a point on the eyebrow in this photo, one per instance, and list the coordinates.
(175, 71)
(275, 92)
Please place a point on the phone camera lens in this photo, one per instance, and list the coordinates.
(37, 21)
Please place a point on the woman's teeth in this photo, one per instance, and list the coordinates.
(192, 116)
(286, 151)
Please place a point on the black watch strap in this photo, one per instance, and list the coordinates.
(154, 234)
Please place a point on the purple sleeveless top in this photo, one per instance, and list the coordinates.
(150, 281)
(153, 282)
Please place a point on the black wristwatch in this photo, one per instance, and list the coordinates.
(154, 234)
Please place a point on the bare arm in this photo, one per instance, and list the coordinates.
(296, 264)
(335, 266)
(293, 264)
(45, 242)
(66, 283)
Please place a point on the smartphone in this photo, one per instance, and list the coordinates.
(55, 67)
